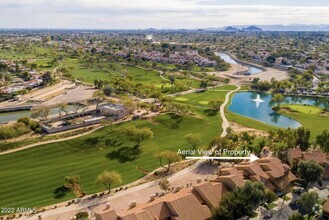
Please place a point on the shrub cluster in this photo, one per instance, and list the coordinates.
(22, 126)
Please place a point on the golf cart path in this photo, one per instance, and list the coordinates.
(225, 123)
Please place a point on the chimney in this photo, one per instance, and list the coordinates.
(152, 197)
(108, 205)
(132, 204)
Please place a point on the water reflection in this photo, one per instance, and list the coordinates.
(13, 116)
(251, 69)
(243, 103)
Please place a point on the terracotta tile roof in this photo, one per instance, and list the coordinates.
(315, 155)
(286, 167)
(106, 214)
(312, 154)
(280, 175)
(183, 205)
(269, 171)
(252, 169)
(159, 210)
(155, 208)
(231, 181)
(282, 183)
(188, 207)
(228, 171)
(272, 166)
(295, 153)
(142, 215)
(255, 178)
(211, 193)
(291, 177)
(269, 185)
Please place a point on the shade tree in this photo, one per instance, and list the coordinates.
(167, 157)
(241, 202)
(137, 135)
(193, 140)
(307, 201)
(277, 99)
(322, 140)
(310, 171)
(108, 179)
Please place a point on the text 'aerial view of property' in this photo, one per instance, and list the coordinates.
(164, 110)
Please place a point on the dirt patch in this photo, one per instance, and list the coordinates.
(288, 110)
(161, 172)
(238, 128)
(324, 114)
(76, 94)
(195, 115)
(267, 74)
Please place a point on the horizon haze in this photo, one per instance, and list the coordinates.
(169, 14)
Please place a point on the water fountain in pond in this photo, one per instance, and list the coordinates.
(258, 100)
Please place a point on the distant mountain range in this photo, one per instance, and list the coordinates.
(250, 28)
(276, 27)
(232, 28)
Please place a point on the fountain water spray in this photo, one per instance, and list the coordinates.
(258, 100)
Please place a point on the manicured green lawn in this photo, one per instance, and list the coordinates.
(225, 87)
(90, 74)
(316, 122)
(202, 98)
(30, 52)
(244, 87)
(29, 178)
(304, 109)
(137, 74)
(43, 64)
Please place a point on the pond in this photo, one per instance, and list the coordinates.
(252, 70)
(227, 58)
(13, 116)
(248, 104)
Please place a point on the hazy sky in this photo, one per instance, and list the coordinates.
(114, 14)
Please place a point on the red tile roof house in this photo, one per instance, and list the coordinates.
(188, 203)
(197, 202)
(270, 170)
(295, 156)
